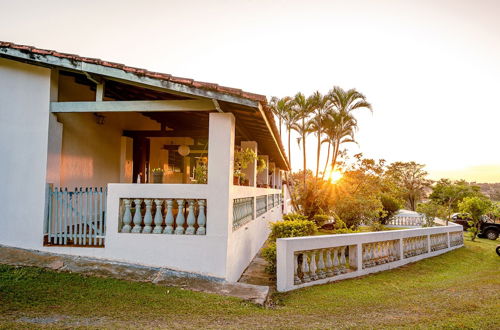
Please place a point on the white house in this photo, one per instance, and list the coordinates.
(80, 137)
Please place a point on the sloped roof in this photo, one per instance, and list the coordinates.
(45, 57)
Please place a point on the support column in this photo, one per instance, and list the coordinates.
(263, 177)
(220, 173)
(251, 170)
(272, 179)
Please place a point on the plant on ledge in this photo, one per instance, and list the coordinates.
(200, 173)
(241, 160)
(157, 175)
(261, 164)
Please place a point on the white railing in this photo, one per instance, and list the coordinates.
(407, 221)
(172, 209)
(311, 260)
(163, 216)
(250, 203)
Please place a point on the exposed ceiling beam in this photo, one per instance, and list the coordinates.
(176, 133)
(133, 106)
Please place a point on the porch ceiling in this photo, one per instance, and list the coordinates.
(254, 120)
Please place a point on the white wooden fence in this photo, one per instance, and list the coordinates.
(311, 260)
(75, 217)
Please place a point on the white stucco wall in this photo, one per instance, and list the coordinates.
(90, 155)
(245, 242)
(24, 122)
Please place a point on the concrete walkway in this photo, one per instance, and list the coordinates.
(256, 274)
(105, 268)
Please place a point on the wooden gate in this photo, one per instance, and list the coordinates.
(75, 218)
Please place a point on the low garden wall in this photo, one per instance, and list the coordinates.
(312, 260)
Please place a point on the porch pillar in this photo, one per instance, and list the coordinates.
(251, 170)
(263, 177)
(272, 180)
(220, 173)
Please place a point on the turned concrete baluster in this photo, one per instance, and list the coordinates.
(343, 263)
(201, 218)
(383, 255)
(329, 263)
(296, 279)
(321, 265)
(336, 269)
(179, 221)
(373, 256)
(169, 218)
(127, 217)
(364, 252)
(390, 255)
(313, 267)
(376, 253)
(148, 217)
(305, 268)
(388, 251)
(137, 216)
(190, 219)
(158, 217)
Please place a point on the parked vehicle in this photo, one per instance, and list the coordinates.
(462, 219)
(489, 230)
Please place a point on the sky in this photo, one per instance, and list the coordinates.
(430, 68)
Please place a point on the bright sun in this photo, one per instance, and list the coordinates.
(335, 176)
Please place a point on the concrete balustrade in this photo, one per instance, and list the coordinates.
(311, 260)
(164, 223)
(406, 221)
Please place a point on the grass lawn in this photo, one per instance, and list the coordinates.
(457, 289)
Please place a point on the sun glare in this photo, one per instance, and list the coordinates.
(335, 176)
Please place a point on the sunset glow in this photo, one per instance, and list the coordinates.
(334, 176)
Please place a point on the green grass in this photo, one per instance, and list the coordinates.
(460, 289)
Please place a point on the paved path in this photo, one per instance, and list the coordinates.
(256, 273)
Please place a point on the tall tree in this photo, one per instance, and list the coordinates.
(289, 118)
(280, 108)
(344, 103)
(449, 194)
(348, 101)
(322, 105)
(412, 179)
(303, 107)
(339, 128)
(475, 207)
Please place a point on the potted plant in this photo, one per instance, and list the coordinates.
(241, 160)
(261, 164)
(157, 175)
(200, 173)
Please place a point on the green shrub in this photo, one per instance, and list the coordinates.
(294, 217)
(283, 229)
(269, 253)
(295, 228)
(340, 227)
(321, 219)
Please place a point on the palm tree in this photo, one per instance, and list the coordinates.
(289, 118)
(344, 102)
(280, 107)
(303, 107)
(322, 105)
(339, 128)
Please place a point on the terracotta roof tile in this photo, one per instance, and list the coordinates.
(155, 75)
